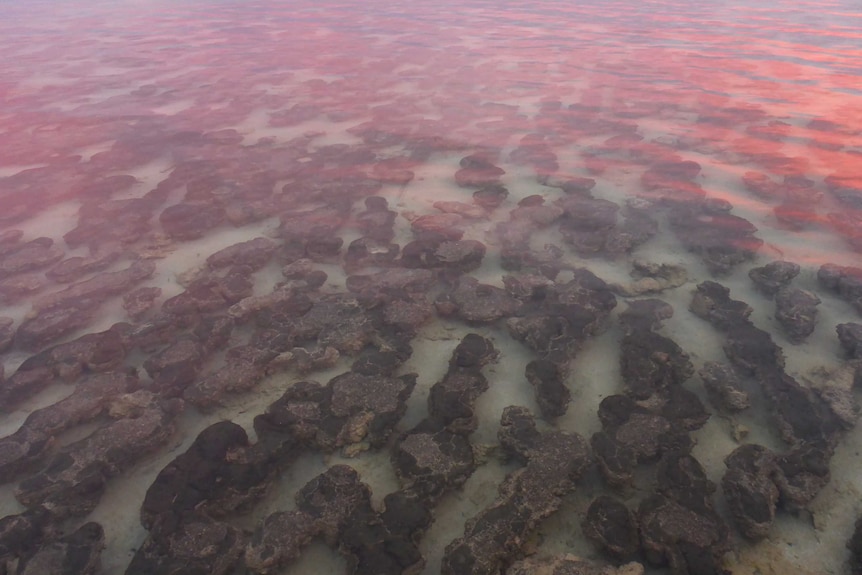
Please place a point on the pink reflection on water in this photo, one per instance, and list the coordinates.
(739, 87)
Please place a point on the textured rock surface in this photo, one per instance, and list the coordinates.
(570, 565)
(679, 525)
(92, 396)
(75, 478)
(724, 387)
(751, 494)
(796, 311)
(75, 554)
(323, 508)
(774, 276)
(612, 527)
(553, 462)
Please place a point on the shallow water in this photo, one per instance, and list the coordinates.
(730, 131)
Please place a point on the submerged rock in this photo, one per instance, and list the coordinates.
(478, 171)
(555, 319)
(751, 494)
(796, 311)
(774, 276)
(95, 352)
(354, 411)
(651, 277)
(323, 508)
(854, 544)
(645, 315)
(570, 565)
(244, 367)
(616, 461)
(476, 302)
(15, 288)
(721, 239)
(679, 525)
(554, 460)
(436, 456)
(72, 269)
(48, 326)
(35, 254)
(846, 281)
(141, 300)
(254, 253)
(652, 363)
(723, 387)
(74, 480)
(78, 553)
(850, 336)
(547, 380)
(191, 220)
(198, 546)
(219, 474)
(612, 527)
(91, 398)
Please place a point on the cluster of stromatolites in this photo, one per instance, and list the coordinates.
(233, 330)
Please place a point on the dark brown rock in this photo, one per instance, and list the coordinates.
(7, 333)
(22, 533)
(751, 493)
(712, 302)
(324, 507)
(846, 281)
(353, 411)
(645, 314)
(796, 311)
(490, 196)
(553, 462)
(854, 544)
(722, 240)
(437, 228)
(556, 320)
(91, 397)
(219, 474)
(368, 407)
(74, 480)
(140, 300)
(48, 326)
(35, 254)
(570, 565)
(431, 459)
(679, 526)
(611, 527)
(616, 460)
(773, 276)
(476, 302)
(850, 336)
(547, 380)
(75, 554)
(651, 363)
(93, 292)
(191, 220)
(198, 546)
(74, 268)
(254, 253)
(176, 366)
(337, 320)
(366, 252)
(124, 221)
(244, 367)
(724, 387)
